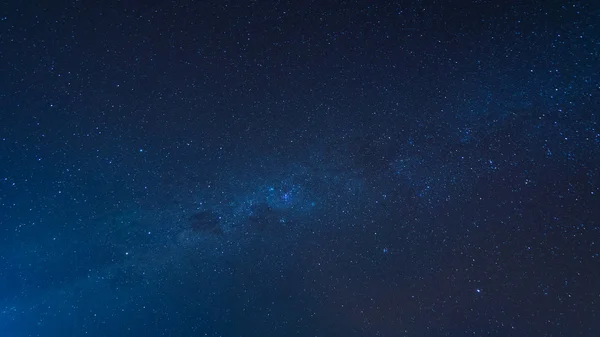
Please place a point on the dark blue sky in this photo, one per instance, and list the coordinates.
(299, 168)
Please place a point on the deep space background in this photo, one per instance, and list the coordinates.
(299, 168)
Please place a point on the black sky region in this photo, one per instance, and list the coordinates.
(299, 168)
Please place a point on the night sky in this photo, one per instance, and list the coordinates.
(299, 168)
